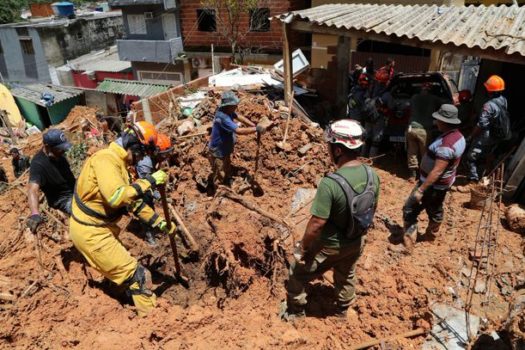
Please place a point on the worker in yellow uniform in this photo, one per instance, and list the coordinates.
(102, 195)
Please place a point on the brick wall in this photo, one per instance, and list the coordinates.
(271, 41)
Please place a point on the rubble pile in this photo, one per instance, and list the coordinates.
(245, 234)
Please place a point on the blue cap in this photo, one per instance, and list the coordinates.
(57, 139)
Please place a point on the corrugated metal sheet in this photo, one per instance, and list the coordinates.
(100, 61)
(33, 93)
(132, 87)
(496, 27)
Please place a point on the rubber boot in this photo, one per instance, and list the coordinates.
(412, 175)
(150, 238)
(432, 230)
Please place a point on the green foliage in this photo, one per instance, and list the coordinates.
(10, 10)
(76, 156)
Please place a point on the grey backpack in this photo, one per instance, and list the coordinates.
(361, 206)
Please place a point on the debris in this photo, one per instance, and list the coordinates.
(369, 344)
(303, 150)
(515, 216)
(185, 127)
(299, 64)
(450, 330)
(194, 246)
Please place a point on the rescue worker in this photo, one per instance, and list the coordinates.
(19, 161)
(223, 138)
(377, 110)
(485, 136)
(436, 175)
(3, 180)
(50, 172)
(357, 98)
(335, 234)
(102, 195)
(146, 167)
(419, 132)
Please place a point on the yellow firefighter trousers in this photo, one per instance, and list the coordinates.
(105, 253)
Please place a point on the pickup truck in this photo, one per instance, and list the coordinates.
(403, 86)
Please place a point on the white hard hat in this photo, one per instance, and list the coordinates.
(347, 132)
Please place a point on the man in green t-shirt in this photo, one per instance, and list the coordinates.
(333, 238)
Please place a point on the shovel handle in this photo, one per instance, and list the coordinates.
(173, 244)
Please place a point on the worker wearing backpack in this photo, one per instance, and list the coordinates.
(342, 212)
(492, 128)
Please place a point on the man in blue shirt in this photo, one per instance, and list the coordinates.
(223, 137)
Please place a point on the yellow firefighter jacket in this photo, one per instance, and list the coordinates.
(103, 191)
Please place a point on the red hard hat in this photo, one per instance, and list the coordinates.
(382, 75)
(363, 79)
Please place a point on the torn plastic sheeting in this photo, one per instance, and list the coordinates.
(192, 100)
(246, 79)
(450, 330)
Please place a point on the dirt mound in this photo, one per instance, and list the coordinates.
(237, 282)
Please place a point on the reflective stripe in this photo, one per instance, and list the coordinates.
(116, 196)
(154, 218)
(139, 207)
(137, 188)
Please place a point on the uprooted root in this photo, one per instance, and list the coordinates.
(233, 268)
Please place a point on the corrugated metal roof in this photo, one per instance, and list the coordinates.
(34, 92)
(100, 61)
(496, 27)
(132, 87)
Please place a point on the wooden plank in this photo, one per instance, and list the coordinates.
(288, 67)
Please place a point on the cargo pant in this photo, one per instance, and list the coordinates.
(374, 132)
(477, 155)
(432, 203)
(343, 261)
(417, 141)
(221, 169)
(104, 252)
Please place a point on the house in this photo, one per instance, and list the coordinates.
(152, 41)
(30, 51)
(259, 39)
(88, 71)
(43, 113)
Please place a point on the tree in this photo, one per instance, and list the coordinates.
(10, 10)
(228, 16)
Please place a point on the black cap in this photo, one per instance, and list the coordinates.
(57, 139)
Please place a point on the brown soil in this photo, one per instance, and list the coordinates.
(237, 281)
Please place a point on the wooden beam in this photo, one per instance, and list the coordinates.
(489, 53)
(288, 66)
(343, 62)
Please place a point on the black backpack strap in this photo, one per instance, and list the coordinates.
(349, 194)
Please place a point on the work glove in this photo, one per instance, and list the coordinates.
(160, 177)
(416, 196)
(163, 226)
(260, 129)
(33, 222)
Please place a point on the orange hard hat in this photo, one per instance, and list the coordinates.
(146, 133)
(494, 83)
(164, 143)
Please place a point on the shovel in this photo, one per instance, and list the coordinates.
(282, 144)
(183, 280)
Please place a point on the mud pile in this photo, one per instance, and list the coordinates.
(245, 234)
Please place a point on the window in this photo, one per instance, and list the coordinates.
(206, 20)
(260, 20)
(161, 77)
(137, 24)
(22, 31)
(27, 47)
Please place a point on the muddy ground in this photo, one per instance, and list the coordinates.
(237, 279)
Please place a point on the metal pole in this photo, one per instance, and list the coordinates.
(212, 60)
